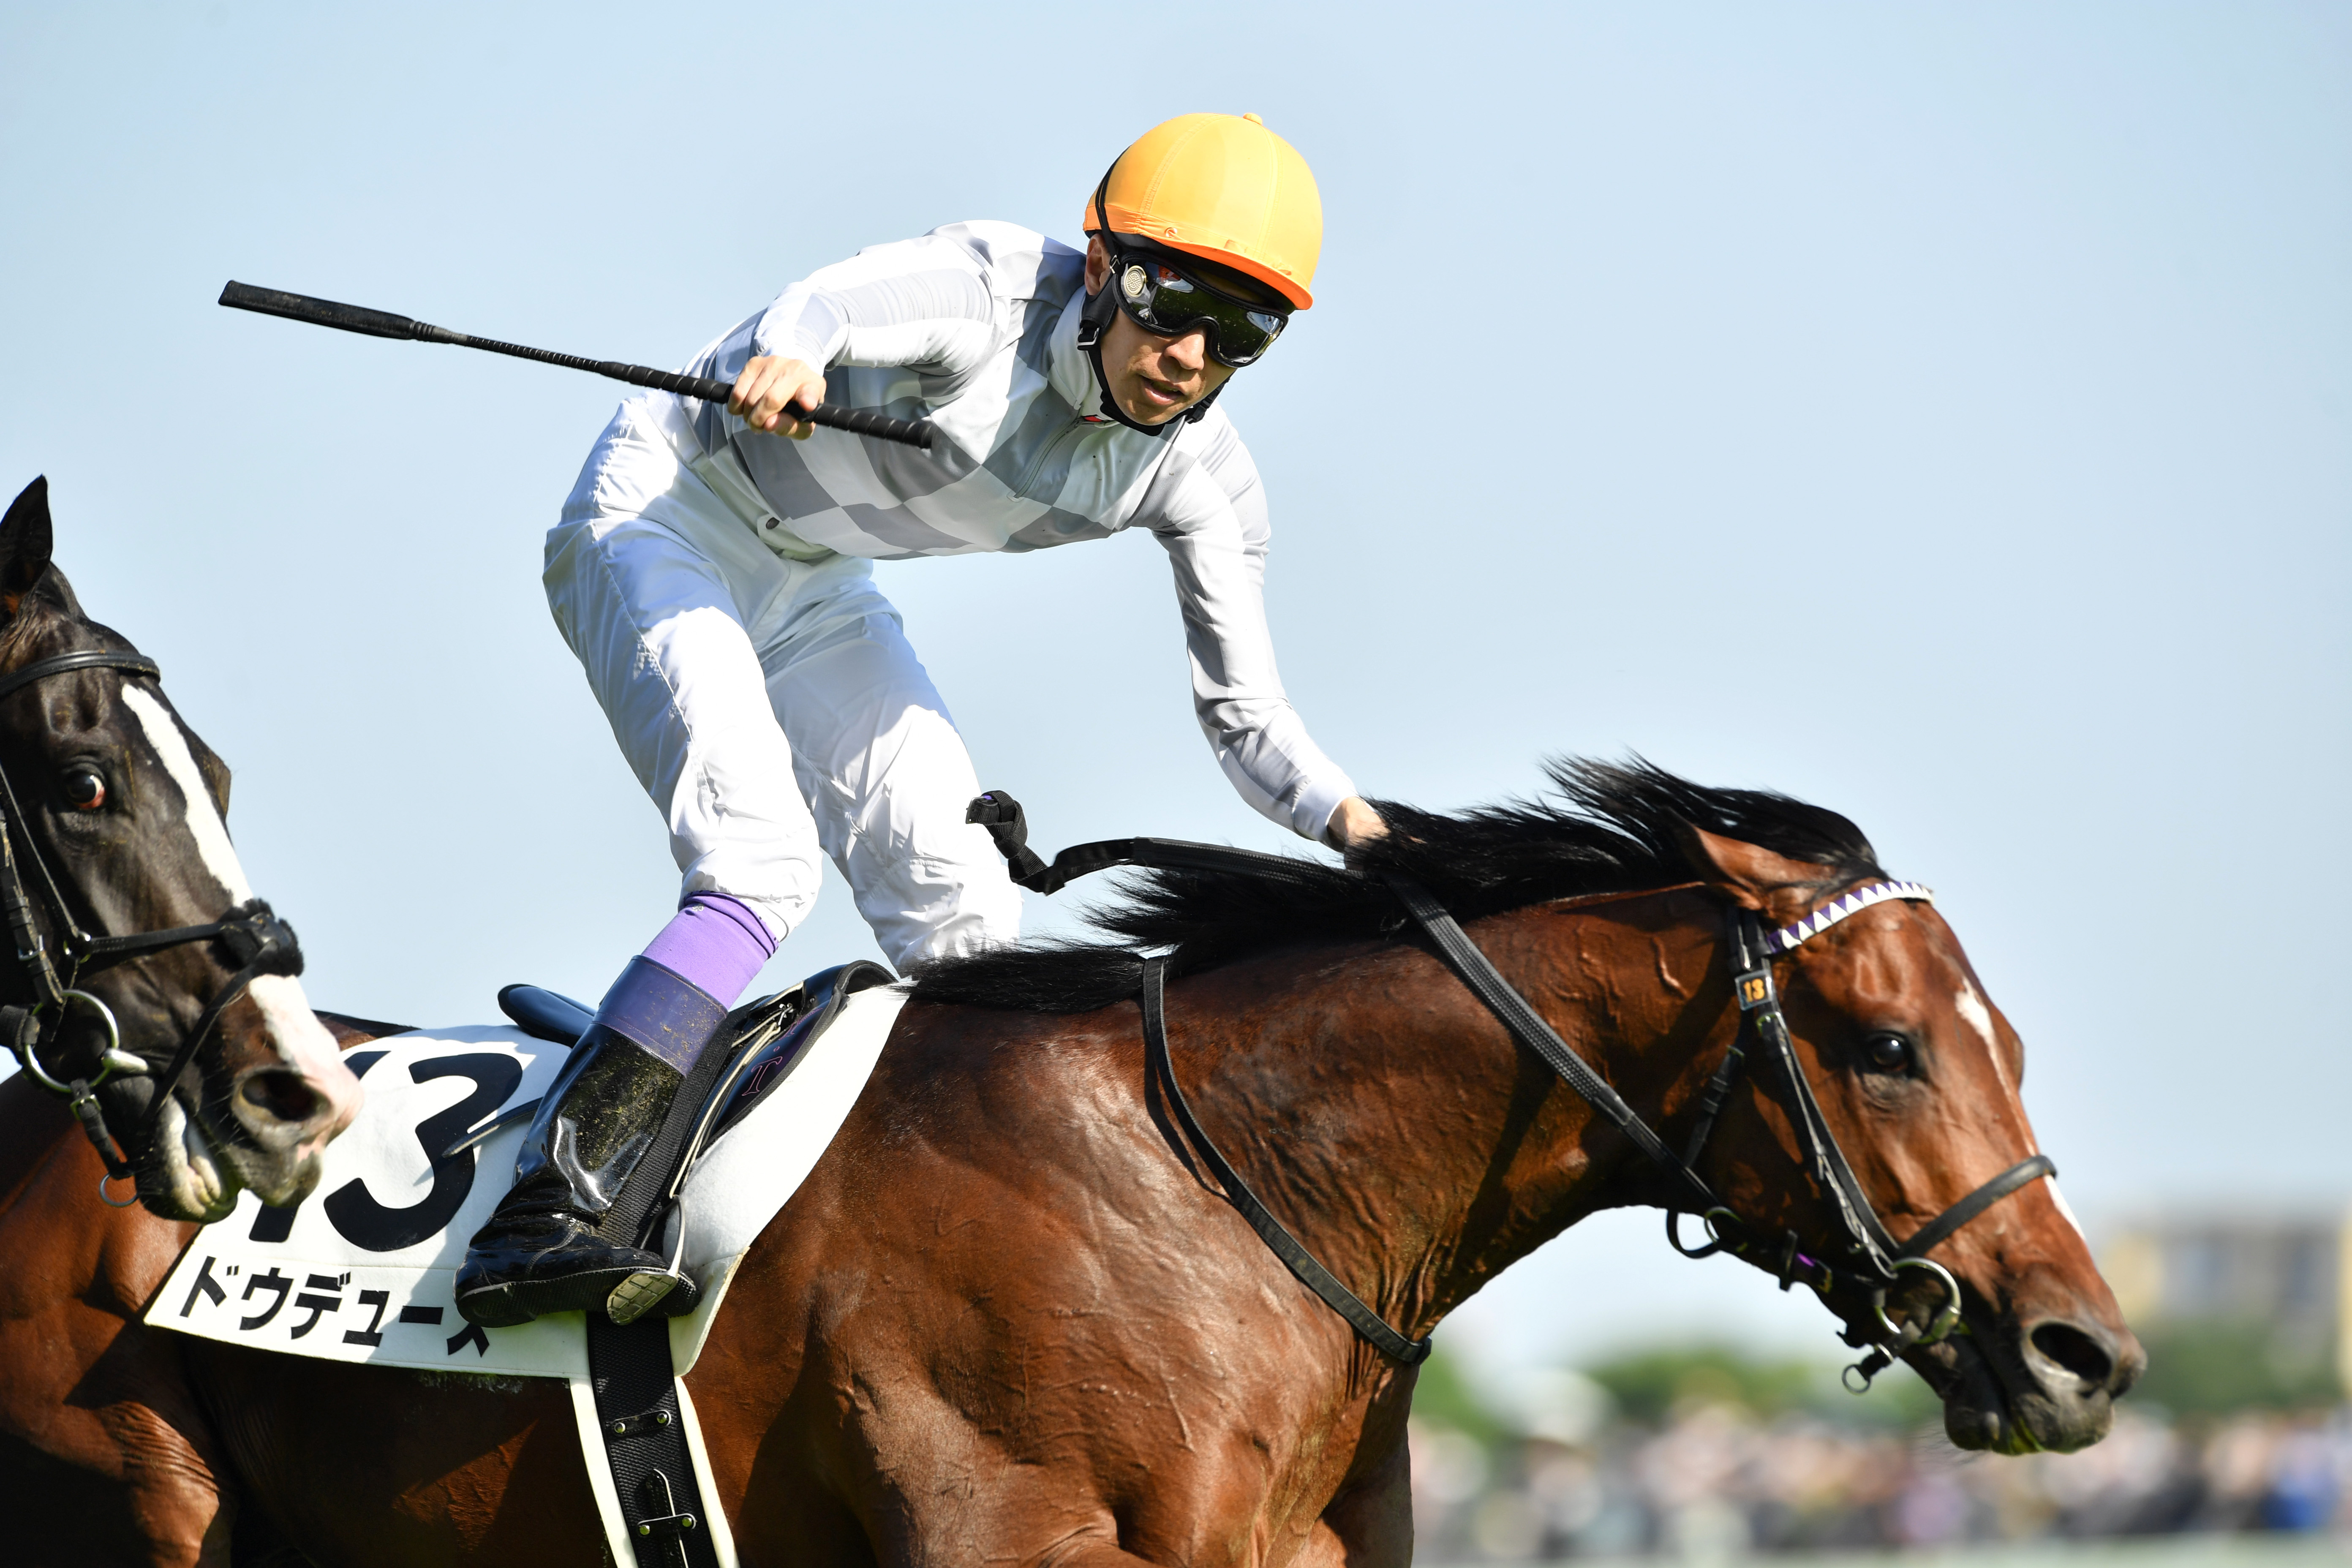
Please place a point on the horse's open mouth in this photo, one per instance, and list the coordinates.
(197, 1165)
(183, 1176)
(264, 1125)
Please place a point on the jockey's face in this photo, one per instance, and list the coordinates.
(1153, 379)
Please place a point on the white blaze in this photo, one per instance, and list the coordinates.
(301, 1040)
(1976, 1015)
(204, 824)
(2065, 1208)
(285, 1013)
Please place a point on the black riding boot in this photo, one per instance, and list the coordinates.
(545, 1248)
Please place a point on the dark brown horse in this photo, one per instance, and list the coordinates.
(137, 919)
(1005, 1321)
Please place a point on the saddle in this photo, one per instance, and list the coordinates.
(419, 1171)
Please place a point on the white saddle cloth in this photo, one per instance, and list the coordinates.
(363, 1272)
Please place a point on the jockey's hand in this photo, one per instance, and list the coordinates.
(1353, 825)
(770, 391)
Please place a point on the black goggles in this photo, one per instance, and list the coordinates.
(1164, 298)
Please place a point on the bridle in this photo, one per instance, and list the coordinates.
(1871, 1260)
(1875, 1262)
(261, 943)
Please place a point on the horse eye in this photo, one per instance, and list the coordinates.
(85, 789)
(1888, 1053)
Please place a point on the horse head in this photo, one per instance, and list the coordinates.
(116, 833)
(1917, 1075)
(1831, 1084)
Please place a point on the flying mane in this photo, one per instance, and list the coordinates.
(1604, 828)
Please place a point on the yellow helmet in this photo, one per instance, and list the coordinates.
(1225, 188)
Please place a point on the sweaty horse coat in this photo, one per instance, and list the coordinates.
(1005, 1318)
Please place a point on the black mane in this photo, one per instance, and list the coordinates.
(1604, 828)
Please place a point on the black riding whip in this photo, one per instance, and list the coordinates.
(384, 324)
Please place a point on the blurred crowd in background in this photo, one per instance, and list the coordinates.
(1720, 1471)
(2240, 1425)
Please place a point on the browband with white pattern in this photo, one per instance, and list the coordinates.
(1788, 938)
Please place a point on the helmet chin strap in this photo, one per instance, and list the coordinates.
(1092, 324)
(1193, 415)
(1095, 321)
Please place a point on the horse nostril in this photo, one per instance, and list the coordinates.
(282, 1096)
(2077, 1352)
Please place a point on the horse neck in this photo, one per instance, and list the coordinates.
(1419, 1148)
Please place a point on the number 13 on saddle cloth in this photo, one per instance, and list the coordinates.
(361, 1271)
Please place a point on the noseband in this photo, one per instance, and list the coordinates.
(1873, 1261)
(256, 939)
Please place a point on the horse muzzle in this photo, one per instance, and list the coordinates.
(2046, 1382)
(265, 1123)
(297, 1095)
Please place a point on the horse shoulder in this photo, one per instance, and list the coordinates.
(1000, 1280)
(111, 1458)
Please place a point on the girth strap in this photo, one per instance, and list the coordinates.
(643, 1422)
(1284, 1246)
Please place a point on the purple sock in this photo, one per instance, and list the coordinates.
(714, 942)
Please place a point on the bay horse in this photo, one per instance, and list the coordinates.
(1008, 1318)
(167, 1052)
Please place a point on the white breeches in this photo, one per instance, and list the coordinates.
(770, 707)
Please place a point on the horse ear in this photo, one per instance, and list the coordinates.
(25, 541)
(1748, 874)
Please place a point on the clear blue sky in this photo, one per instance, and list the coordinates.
(1938, 411)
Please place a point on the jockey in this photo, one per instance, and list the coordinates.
(712, 571)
